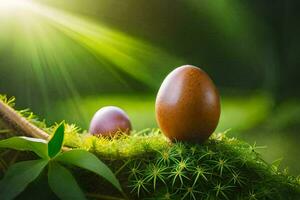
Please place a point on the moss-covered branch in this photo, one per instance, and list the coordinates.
(17, 121)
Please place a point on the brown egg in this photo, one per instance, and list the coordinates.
(187, 105)
(110, 120)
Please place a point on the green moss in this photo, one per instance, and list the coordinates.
(221, 168)
(119, 147)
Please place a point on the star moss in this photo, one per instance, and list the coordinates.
(221, 168)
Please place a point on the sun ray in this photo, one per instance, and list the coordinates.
(133, 57)
(47, 43)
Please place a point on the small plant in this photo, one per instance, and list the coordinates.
(21, 174)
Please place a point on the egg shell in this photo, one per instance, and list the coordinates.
(110, 120)
(187, 105)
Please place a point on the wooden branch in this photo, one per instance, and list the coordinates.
(19, 123)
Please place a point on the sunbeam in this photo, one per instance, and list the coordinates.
(129, 55)
(48, 43)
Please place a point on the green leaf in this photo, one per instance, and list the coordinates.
(18, 176)
(56, 142)
(38, 146)
(63, 184)
(89, 161)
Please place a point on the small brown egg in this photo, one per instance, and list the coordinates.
(187, 105)
(110, 120)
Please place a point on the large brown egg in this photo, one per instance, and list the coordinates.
(110, 120)
(187, 105)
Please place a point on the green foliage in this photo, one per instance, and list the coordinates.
(19, 175)
(38, 146)
(63, 183)
(56, 142)
(88, 161)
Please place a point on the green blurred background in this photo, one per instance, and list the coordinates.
(65, 59)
